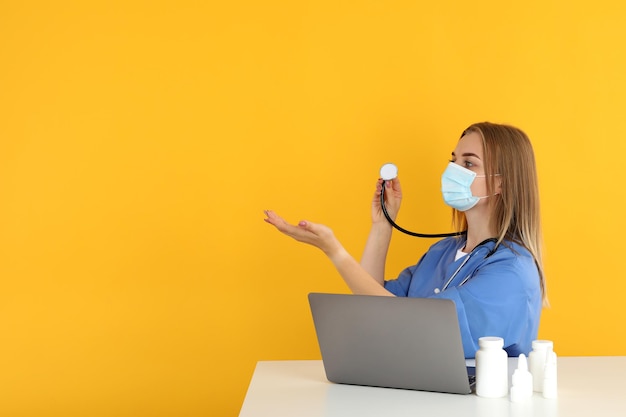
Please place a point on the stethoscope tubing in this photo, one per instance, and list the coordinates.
(424, 235)
(438, 235)
(467, 258)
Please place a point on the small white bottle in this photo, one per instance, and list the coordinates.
(521, 382)
(549, 377)
(537, 361)
(492, 373)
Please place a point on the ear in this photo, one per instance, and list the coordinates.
(498, 185)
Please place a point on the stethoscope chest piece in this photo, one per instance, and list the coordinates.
(388, 172)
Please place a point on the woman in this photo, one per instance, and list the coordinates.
(493, 272)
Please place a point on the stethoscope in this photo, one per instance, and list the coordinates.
(467, 258)
(388, 172)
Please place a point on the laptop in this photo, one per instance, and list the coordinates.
(391, 342)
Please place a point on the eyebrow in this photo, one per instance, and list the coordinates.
(466, 154)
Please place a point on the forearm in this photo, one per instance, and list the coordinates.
(359, 280)
(375, 253)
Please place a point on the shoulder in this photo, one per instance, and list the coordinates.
(513, 259)
(514, 252)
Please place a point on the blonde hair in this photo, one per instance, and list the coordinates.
(515, 216)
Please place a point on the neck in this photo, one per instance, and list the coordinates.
(479, 229)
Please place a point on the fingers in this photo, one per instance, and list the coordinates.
(304, 231)
(271, 217)
(310, 229)
(395, 184)
(276, 220)
(282, 225)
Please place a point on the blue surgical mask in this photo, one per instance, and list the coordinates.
(455, 186)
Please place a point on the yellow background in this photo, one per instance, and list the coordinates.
(141, 140)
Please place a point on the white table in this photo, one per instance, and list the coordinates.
(587, 386)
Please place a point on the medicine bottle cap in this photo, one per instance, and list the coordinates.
(542, 344)
(490, 341)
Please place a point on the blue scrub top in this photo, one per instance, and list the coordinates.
(501, 295)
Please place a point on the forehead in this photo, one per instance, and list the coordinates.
(472, 143)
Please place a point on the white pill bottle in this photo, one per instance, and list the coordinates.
(537, 361)
(492, 372)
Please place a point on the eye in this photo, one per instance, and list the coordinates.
(467, 164)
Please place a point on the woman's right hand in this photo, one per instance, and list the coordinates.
(314, 234)
(393, 197)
